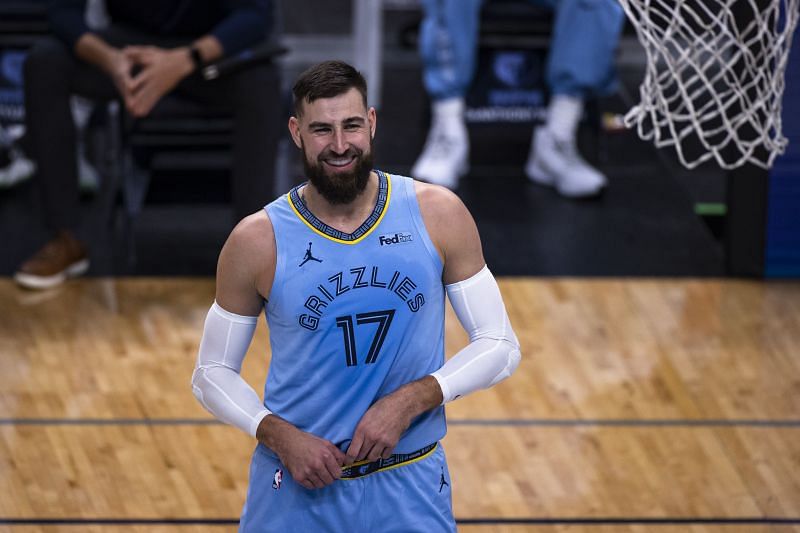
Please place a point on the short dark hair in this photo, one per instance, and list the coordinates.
(326, 80)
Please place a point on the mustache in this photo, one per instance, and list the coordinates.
(330, 154)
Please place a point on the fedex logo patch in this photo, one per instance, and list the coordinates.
(395, 238)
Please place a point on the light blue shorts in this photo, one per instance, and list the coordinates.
(412, 497)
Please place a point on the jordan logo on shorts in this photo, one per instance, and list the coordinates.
(309, 257)
(278, 478)
(442, 481)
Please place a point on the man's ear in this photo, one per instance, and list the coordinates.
(294, 130)
(372, 116)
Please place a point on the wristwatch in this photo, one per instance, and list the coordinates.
(197, 58)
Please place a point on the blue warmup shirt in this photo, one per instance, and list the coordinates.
(353, 317)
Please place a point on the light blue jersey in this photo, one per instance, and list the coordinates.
(353, 317)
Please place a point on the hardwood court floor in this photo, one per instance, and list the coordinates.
(640, 405)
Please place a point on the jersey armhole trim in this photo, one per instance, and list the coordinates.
(419, 222)
(280, 264)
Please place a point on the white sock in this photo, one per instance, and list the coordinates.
(563, 116)
(448, 115)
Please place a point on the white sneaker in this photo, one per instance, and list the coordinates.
(558, 164)
(19, 169)
(444, 158)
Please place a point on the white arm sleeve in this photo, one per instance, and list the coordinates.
(493, 352)
(216, 381)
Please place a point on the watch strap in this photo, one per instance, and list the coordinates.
(197, 58)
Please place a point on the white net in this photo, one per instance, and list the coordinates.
(715, 77)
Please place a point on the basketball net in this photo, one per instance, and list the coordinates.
(715, 77)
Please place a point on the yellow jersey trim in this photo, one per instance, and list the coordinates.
(367, 231)
(392, 467)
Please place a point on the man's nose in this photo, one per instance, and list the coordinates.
(339, 144)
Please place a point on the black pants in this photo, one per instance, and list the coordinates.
(52, 74)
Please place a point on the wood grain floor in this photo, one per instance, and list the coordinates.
(640, 405)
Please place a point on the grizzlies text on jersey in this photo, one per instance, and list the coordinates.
(353, 316)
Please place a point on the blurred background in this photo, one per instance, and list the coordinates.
(655, 218)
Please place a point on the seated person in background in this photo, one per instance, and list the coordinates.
(150, 48)
(580, 65)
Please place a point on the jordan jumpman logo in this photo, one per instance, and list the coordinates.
(442, 481)
(308, 257)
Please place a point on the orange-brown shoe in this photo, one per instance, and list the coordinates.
(61, 258)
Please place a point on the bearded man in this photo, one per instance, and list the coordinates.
(351, 269)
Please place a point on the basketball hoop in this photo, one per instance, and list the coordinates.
(715, 77)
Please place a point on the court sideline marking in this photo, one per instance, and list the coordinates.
(541, 422)
(461, 521)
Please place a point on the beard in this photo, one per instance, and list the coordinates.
(339, 187)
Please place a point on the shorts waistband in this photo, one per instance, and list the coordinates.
(364, 468)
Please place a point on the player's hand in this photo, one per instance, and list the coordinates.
(160, 71)
(312, 462)
(379, 430)
(381, 427)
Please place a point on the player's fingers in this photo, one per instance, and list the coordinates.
(305, 483)
(338, 455)
(354, 450)
(333, 469)
(325, 476)
(317, 481)
(335, 462)
(366, 449)
(335, 454)
(375, 453)
(367, 454)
